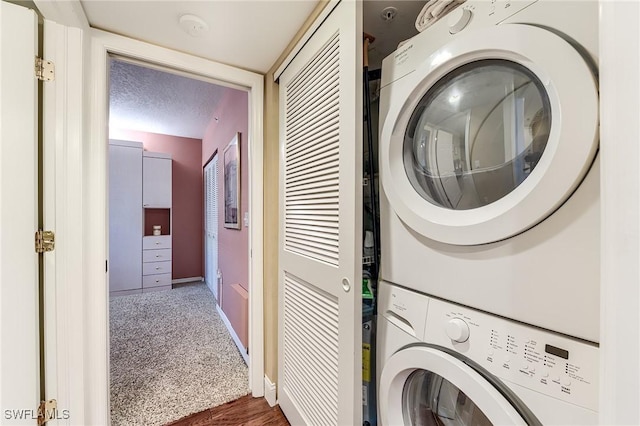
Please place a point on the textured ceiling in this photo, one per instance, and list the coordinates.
(154, 101)
(249, 34)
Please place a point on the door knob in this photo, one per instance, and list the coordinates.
(346, 285)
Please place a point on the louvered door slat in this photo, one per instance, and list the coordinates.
(311, 187)
(321, 252)
(322, 141)
(323, 229)
(311, 240)
(310, 160)
(305, 208)
(324, 200)
(310, 338)
(320, 225)
(327, 130)
(325, 195)
(316, 102)
(324, 164)
(321, 343)
(315, 91)
(311, 135)
(321, 168)
(325, 61)
(311, 218)
(301, 79)
(320, 177)
(312, 128)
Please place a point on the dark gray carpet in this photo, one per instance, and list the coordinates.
(171, 356)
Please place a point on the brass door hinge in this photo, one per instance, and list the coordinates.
(45, 70)
(45, 241)
(47, 411)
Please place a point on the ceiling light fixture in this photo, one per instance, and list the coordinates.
(193, 25)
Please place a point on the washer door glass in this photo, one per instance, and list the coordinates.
(429, 399)
(477, 134)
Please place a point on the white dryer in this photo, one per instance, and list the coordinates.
(488, 162)
(444, 364)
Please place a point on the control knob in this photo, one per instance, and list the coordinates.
(458, 20)
(457, 330)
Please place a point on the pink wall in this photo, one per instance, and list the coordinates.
(233, 244)
(187, 192)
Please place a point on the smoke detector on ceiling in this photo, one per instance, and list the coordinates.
(388, 13)
(193, 25)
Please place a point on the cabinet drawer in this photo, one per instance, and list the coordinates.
(156, 268)
(156, 255)
(156, 242)
(156, 280)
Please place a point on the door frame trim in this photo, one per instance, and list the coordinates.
(96, 237)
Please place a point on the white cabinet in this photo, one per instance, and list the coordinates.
(156, 194)
(156, 266)
(156, 181)
(125, 217)
(139, 183)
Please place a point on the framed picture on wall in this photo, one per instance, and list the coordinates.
(231, 170)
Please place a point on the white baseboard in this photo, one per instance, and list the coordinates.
(234, 336)
(270, 391)
(186, 280)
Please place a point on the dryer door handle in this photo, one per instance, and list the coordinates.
(400, 322)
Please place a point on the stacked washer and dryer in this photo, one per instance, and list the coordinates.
(489, 300)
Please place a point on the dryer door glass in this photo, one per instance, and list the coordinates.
(429, 399)
(477, 134)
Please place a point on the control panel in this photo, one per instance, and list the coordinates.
(471, 15)
(539, 360)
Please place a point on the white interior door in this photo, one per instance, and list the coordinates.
(320, 271)
(211, 226)
(19, 327)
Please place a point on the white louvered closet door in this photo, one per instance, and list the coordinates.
(320, 271)
(211, 225)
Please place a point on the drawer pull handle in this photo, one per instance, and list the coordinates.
(157, 267)
(157, 242)
(157, 281)
(157, 255)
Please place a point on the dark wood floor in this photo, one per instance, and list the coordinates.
(247, 411)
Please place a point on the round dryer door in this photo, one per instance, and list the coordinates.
(422, 385)
(498, 129)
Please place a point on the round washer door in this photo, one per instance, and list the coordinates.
(497, 130)
(422, 385)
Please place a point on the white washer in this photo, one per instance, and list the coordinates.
(488, 162)
(444, 364)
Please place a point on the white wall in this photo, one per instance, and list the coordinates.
(620, 179)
